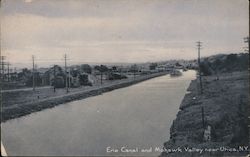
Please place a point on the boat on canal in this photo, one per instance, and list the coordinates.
(175, 72)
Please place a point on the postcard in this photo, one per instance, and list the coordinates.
(124, 78)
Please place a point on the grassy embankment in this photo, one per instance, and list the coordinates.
(225, 102)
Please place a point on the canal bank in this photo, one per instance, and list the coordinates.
(18, 110)
(224, 102)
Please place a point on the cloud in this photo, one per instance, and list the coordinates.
(126, 30)
(28, 1)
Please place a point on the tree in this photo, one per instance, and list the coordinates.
(58, 82)
(29, 80)
(102, 69)
(74, 73)
(86, 68)
(231, 58)
(217, 63)
(134, 69)
(84, 80)
(152, 66)
(177, 64)
(114, 68)
(205, 68)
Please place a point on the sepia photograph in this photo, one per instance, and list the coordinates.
(161, 78)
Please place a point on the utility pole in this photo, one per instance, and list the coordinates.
(101, 77)
(8, 65)
(134, 69)
(66, 75)
(1, 69)
(120, 70)
(199, 66)
(15, 72)
(200, 80)
(248, 69)
(69, 78)
(2, 64)
(246, 40)
(203, 119)
(54, 78)
(33, 64)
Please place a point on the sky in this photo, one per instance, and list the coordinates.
(107, 31)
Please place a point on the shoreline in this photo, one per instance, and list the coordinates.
(223, 101)
(19, 110)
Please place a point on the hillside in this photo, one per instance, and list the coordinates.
(223, 63)
(224, 101)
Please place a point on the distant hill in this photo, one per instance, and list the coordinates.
(224, 63)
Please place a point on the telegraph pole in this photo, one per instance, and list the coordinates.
(8, 65)
(69, 78)
(33, 64)
(101, 77)
(246, 40)
(66, 75)
(15, 71)
(134, 69)
(54, 78)
(2, 64)
(247, 49)
(200, 79)
(1, 69)
(203, 117)
(199, 67)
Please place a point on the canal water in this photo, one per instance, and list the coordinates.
(133, 119)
